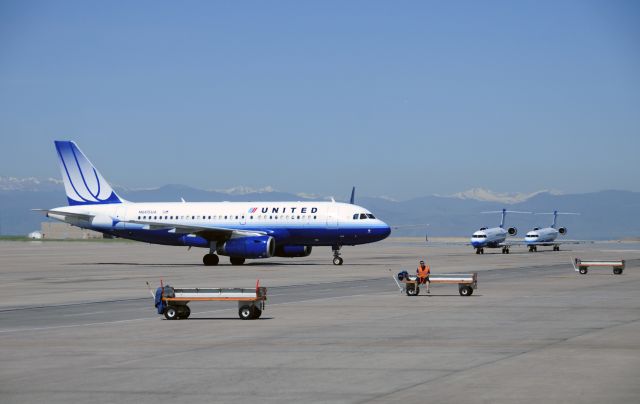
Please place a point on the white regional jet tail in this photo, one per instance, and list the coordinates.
(82, 182)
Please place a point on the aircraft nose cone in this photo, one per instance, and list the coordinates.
(383, 231)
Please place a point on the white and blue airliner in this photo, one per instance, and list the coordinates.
(494, 237)
(239, 230)
(547, 236)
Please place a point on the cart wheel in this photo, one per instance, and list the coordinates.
(245, 312)
(256, 312)
(466, 291)
(186, 313)
(413, 290)
(583, 270)
(170, 313)
(617, 271)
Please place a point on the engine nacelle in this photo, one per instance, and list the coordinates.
(293, 251)
(249, 247)
(562, 230)
(512, 231)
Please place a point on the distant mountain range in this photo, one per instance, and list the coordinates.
(603, 215)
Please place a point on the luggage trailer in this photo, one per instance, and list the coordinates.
(467, 283)
(582, 266)
(173, 302)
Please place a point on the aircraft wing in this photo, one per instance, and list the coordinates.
(213, 233)
(558, 242)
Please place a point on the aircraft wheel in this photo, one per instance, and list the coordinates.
(237, 260)
(245, 312)
(170, 313)
(507, 253)
(477, 251)
(210, 260)
(482, 251)
(337, 261)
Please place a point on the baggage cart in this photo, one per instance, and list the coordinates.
(173, 302)
(582, 266)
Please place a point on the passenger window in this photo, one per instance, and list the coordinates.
(298, 216)
(314, 217)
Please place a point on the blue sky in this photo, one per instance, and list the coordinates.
(399, 98)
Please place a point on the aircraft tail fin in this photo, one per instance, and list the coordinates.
(83, 184)
(504, 212)
(555, 214)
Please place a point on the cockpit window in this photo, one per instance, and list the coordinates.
(355, 216)
(370, 216)
(363, 216)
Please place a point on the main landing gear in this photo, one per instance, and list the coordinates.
(337, 260)
(211, 259)
(480, 250)
(556, 248)
(533, 248)
(505, 250)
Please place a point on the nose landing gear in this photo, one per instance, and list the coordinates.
(337, 260)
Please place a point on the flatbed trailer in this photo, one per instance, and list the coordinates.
(467, 283)
(173, 302)
(582, 266)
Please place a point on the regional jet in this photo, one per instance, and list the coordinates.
(239, 230)
(494, 237)
(547, 236)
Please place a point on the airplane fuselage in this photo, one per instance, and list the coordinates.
(542, 236)
(289, 223)
(489, 238)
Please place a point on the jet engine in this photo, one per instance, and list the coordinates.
(512, 231)
(249, 247)
(293, 251)
(562, 230)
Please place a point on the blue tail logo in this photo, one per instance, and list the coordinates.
(82, 182)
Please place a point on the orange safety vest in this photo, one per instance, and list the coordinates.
(424, 272)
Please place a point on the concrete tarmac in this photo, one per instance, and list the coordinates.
(77, 324)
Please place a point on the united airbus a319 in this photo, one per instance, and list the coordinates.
(239, 230)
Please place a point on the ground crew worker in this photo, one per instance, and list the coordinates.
(423, 272)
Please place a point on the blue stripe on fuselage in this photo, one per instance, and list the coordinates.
(314, 236)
